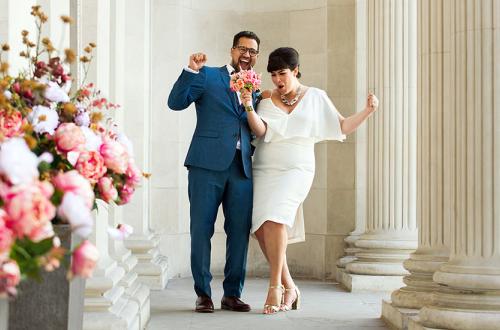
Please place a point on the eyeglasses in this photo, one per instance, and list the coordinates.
(243, 50)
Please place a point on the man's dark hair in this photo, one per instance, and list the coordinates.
(245, 34)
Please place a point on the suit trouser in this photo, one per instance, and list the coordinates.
(207, 190)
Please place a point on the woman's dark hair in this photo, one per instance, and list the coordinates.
(245, 34)
(283, 58)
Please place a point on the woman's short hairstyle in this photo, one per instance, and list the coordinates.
(283, 58)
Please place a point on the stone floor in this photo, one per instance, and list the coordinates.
(324, 306)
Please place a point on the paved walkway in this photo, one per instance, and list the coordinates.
(324, 306)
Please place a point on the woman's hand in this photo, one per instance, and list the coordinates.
(246, 97)
(371, 103)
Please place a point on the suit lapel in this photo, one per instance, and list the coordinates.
(224, 75)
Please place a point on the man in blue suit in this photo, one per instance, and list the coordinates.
(220, 168)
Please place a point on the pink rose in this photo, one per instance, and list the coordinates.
(107, 189)
(69, 137)
(73, 182)
(133, 174)
(90, 164)
(121, 231)
(6, 237)
(126, 194)
(29, 211)
(115, 155)
(84, 260)
(11, 124)
(10, 276)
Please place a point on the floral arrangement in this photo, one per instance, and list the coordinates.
(247, 79)
(58, 153)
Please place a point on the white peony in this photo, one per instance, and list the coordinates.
(43, 119)
(74, 210)
(123, 139)
(17, 162)
(55, 93)
(93, 141)
(7, 94)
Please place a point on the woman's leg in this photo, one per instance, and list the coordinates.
(286, 277)
(288, 283)
(275, 240)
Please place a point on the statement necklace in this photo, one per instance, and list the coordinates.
(294, 100)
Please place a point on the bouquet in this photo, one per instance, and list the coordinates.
(245, 79)
(58, 153)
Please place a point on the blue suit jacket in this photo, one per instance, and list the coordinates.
(220, 119)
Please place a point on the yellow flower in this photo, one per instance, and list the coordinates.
(66, 19)
(70, 55)
(4, 67)
(84, 59)
(88, 49)
(24, 33)
(5, 47)
(96, 117)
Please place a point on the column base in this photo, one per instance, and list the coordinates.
(106, 302)
(152, 267)
(456, 318)
(140, 293)
(415, 324)
(355, 282)
(397, 317)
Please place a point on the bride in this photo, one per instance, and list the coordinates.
(290, 119)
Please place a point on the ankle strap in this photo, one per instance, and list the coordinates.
(281, 287)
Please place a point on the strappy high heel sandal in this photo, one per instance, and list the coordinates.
(273, 309)
(295, 304)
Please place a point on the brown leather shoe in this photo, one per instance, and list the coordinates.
(204, 305)
(234, 304)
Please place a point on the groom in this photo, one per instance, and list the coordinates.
(220, 168)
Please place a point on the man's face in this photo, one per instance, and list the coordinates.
(244, 54)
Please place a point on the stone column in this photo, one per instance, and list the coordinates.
(391, 231)
(134, 288)
(361, 142)
(105, 299)
(144, 243)
(472, 275)
(435, 170)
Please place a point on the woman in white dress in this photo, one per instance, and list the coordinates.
(289, 120)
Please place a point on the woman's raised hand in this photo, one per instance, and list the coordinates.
(246, 97)
(372, 102)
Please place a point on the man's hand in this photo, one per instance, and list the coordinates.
(246, 97)
(197, 61)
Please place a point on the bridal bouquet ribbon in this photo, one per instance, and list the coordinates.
(245, 79)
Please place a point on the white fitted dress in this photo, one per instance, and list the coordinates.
(283, 165)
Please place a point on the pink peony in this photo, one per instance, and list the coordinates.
(121, 231)
(107, 189)
(73, 182)
(69, 137)
(10, 276)
(90, 164)
(115, 155)
(29, 211)
(84, 260)
(133, 174)
(11, 124)
(6, 237)
(126, 194)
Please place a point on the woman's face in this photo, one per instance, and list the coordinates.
(285, 80)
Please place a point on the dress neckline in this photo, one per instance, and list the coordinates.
(299, 103)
